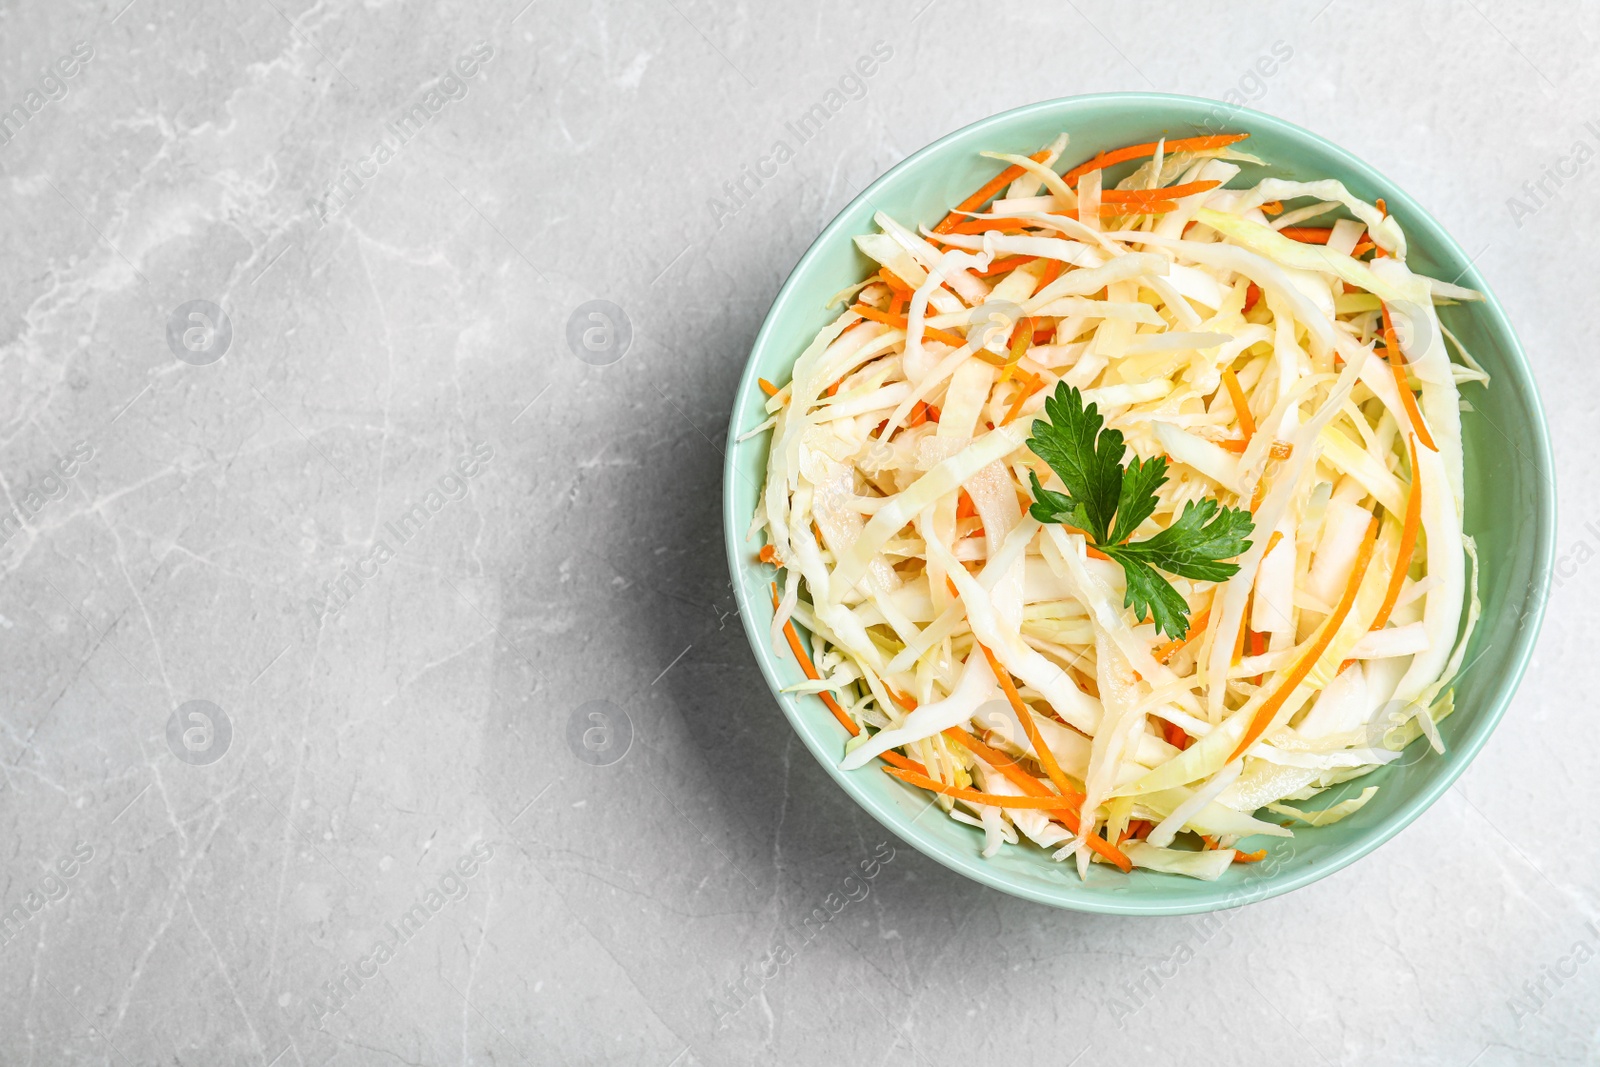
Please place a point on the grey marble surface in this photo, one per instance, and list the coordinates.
(392, 407)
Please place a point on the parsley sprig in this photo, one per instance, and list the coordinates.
(1108, 500)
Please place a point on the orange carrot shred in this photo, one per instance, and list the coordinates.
(1269, 708)
(1032, 384)
(965, 508)
(987, 225)
(1145, 196)
(895, 759)
(1311, 235)
(1397, 361)
(955, 340)
(1046, 758)
(1139, 151)
(1252, 297)
(998, 800)
(1175, 735)
(1035, 788)
(810, 670)
(988, 192)
(1196, 628)
(1241, 406)
(1244, 630)
(768, 554)
(1000, 266)
(1408, 542)
(1249, 857)
(767, 387)
(1272, 207)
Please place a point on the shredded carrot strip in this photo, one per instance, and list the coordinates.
(1310, 235)
(1175, 735)
(1272, 207)
(1258, 645)
(1330, 627)
(810, 670)
(1252, 297)
(1143, 207)
(1249, 857)
(953, 339)
(1046, 803)
(1272, 543)
(1392, 343)
(986, 225)
(1259, 495)
(894, 759)
(892, 280)
(1145, 196)
(1378, 252)
(1046, 758)
(1035, 788)
(1408, 542)
(768, 554)
(1244, 629)
(905, 700)
(921, 412)
(767, 387)
(1279, 449)
(1004, 764)
(1241, 406)
(1031, 385)
(1000, 266)
(1090, 550)
(1017, 347)
(988, 192)
(1196, 628)
(1139, 151)
(1052, 271)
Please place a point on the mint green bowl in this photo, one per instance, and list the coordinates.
(1510, 507)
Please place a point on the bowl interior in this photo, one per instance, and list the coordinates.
(1509, 509)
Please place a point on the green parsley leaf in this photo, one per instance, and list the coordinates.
(1195, 546)
(1138, 497)
(1109, 502)
(1150, 594)
(1087, 460)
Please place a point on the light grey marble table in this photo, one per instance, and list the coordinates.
(324, 548)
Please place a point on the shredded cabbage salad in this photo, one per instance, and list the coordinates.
(1273, 345)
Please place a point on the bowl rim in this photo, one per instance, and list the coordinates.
(1206, 896)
